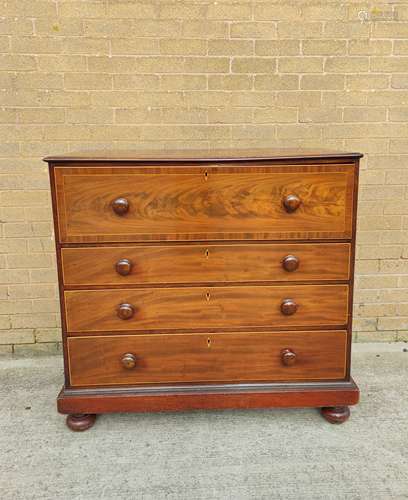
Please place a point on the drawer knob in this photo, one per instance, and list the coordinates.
(288, 357)
(128, 361)
(126, 311)
(123, 267)
(290, 263)
(288, 307)
(120, 206)
(291, 203)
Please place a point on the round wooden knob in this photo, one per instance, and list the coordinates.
(120, 206)
(288, 307)
(291, 203)
(290, 263)
(126, 311)
(288, 357)
(123, 267)
(128, 361)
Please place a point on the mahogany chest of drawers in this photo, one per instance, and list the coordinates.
(198, 280)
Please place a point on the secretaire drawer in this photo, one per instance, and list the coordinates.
(205, 307)
(233, 357)
(204, 203)
(147, 264)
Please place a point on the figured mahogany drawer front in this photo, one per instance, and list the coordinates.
(133, 265)
(205, 307)
(204, 203)
(232, 357)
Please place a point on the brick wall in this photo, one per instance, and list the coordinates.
(80, 74)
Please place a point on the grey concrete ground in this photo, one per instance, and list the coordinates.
(288, 454)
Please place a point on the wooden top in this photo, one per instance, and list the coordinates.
(201, 155)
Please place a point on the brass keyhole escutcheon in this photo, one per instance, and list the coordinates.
(208, 296)
(206, 176)
(207, 254)
(208, 343)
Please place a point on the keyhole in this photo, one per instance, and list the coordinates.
(206, 176)
(207, 296)
(208, 343)
(207, 253)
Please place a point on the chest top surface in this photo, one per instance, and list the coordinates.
(225, 155)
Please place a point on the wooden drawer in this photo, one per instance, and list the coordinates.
(205, 307)
(135, 265)
(233, 357)
(204, 203)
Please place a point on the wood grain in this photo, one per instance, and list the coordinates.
(206, 358)
(212, 204)
(202, 155)
(167, 264)
(205, 307)
(198, 397)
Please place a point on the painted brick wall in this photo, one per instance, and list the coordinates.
(96, 74)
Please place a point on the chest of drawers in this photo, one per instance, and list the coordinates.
(202, 280)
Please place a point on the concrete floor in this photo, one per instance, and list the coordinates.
(288, 454)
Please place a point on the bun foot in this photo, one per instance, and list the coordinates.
(81, 422)
(336, 414)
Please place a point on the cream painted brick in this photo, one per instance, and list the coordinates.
(323, 82)
(36, 45)
(59, 27)
(131, 10)
(388, 97)
(230, 47)
(395, 64)
(253, 30)
(61, 63)
(275, 115)
(276, 82)
(8, 115)
(138, 82)
(300, 65)
(204, 29)
(253, 65)
(376, 336)
(399, 81)
(370, 47)
(183, 82)
(183, 47)
(4, 43)
(338, 29)
(206, 65)
(28, 261)
(298, 98)
(231, 11)
(44, 81)
(47, 335)
(367, 82)
(86, 46)
(299, 131)
(184, 115)
(89, 115)
(346, 64)
(364, 114)
(229, 82)
(27, 8)
(135, 46)
(16, 26)
(324, 12)
(40, 115)
(390, 30)
(400, 47)
(81, 9)
(321, 114)
(397, 323)
(6, 350)
(269, 11)
(230, 115)
(296, 30)
(182, 10)
(17, 336)
(88, 81)
(38, 349)
(324, 47)
(246, 132)
(11, 62)
(277, 47)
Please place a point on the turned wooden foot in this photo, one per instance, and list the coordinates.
(81, 422)
(336, 414)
